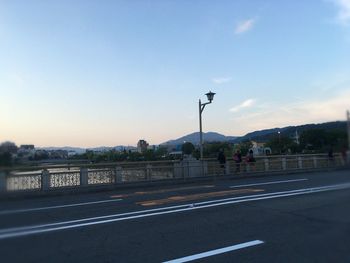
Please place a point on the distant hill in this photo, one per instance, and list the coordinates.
(194, 138)
(265, 135)
(259, 136)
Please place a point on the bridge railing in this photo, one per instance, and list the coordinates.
(57, 177)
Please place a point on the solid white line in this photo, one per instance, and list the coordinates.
(216, 252)
(7, 212)
(272, 182)
(24, 231)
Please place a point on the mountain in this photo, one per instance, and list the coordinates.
(194, 138)
(259, 136)
(289, 131)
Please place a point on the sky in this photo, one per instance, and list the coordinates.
(106, 73)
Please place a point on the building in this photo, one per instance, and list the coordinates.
(26, 151)
(260, 149)
(142, 146)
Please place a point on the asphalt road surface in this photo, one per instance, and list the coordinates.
(290, 218)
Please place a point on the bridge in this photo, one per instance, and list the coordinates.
(290, 214)
(43, 180)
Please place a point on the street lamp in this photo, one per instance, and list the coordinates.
(279, 141)
(210, 96)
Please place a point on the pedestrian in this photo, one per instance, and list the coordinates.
(222, 160)
(330, 157)
(237, 157)
(250, 160)
(330, 153)
(344, 155)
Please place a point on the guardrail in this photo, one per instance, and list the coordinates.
(59, 177)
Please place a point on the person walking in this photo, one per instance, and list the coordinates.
(250, 160)
(237, 157)
(222, 160)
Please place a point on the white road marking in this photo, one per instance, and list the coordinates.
(7, 212)
(273, 182)
(216, 252)
(28, 230)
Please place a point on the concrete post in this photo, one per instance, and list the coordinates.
(3, 182)
(227, 168)
(45, 180)
(84, 177)
(342, 161)
(204, 167)
(177, 170)
(267, 166)
(300, 163)
(248, 167)
(148, 172)
(315, 161)
(118, 175)
(284, 163)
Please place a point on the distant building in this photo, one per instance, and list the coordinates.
(58, 154)
(260, 149)
(142, 146)
(27, 147)
(26, 151)
(153, 147)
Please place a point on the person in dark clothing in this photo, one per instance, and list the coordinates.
(251, 158)
(237, 157)
(330, 153)
(222, 160)
(330, 157)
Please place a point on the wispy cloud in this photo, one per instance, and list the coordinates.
(343, 16)
(244, 26)
(296, 113)
(221, 80)
(245, 104)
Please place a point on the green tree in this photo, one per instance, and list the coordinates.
(212, 149)
(8, 147)
(6, 151)
(282, 144)
(244, 146)
(5, 159)
(187, 148)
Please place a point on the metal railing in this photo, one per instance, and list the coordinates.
(48, 178)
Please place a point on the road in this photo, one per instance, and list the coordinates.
(290, 218)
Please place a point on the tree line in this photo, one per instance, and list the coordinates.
(310, 141)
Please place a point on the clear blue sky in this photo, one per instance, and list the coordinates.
(91, 73)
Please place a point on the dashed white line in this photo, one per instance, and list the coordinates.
(216, 252)
(273, 182)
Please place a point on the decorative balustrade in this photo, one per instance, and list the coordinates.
(61, 177)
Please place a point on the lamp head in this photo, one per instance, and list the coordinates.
(210, 96)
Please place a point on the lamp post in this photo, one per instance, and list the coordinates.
(279, 141)
(210, 96)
